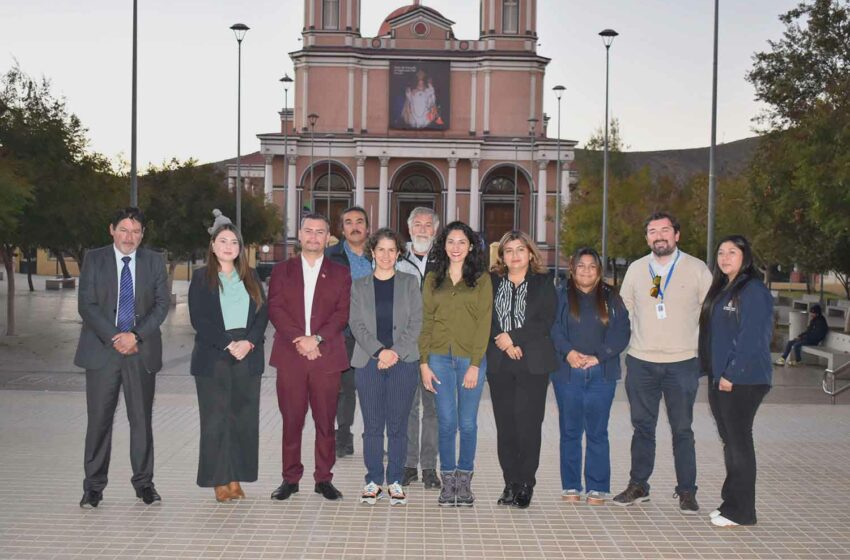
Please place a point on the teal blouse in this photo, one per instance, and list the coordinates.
(234, 300)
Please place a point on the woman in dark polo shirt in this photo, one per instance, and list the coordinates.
(457, 301)
(228, 310)
(520, 357)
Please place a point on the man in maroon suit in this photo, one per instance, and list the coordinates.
(309, 354)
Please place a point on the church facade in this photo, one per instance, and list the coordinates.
(416, 116)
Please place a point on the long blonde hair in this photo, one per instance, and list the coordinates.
(535, 260)
(240, 264)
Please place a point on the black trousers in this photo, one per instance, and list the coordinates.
(346, 404)
(734, 413)
(102, 389)
(519, 404)
(229, 405)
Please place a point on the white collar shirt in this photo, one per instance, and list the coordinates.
(658, 268)
(311, 277)
(119, 265)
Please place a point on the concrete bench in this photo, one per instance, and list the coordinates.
(835, 349)
(60, 283)
(838, 309)
(805, 303)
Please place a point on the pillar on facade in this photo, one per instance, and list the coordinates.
(360, 182)
(231, 184)
(474, 197)
(292, 198)
(451, 195)
(541, 201)
(487, 101)
(565, 184)
(268, 178)
(383, 191)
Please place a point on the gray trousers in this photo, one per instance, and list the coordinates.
(426, 454)
(102, 389)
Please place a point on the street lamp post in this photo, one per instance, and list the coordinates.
(712, 172)
(312, 118)
(559, 91)
(532, 132)
(607, 38)
(516, 179)
(239, 29)
(134, 181)
(330, 144)
(286, 80)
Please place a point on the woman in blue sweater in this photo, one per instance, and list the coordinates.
(591, 330)
(736, 326)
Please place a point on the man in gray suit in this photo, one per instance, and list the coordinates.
(123, 299)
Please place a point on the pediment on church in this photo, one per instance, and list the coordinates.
(416, 22)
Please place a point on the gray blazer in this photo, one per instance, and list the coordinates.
(98, 304)
(407, 319)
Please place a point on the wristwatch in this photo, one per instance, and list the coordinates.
(138, 338)
(319, 339)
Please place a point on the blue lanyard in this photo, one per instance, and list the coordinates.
(669, 276)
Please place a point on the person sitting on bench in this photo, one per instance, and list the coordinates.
(812, 336)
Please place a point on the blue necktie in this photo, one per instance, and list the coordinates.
(126, 301)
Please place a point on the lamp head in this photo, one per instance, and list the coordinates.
(312, 118)
(608, 36)
(286, 81)
(239, 29)
(532, 125)
(559, 91)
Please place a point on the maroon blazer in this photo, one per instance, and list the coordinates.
(329, 317)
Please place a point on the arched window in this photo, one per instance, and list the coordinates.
(499, 185)
(338, 183)
(416, 184)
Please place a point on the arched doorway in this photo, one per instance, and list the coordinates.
(414, 184)
(504, 208)
(332, 193)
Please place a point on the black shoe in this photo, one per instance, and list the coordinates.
(285, 490)
(522, 499)
(91, 499)
(508, 494)
(410, 475)
(340, 451)
(633, 494)
(149, 495)
(349, 448)
(328, 491)
(687, 503)
(430, 479)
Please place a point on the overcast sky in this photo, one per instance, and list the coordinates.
(660, 66)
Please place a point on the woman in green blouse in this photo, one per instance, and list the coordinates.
(457, 302)
(228, 310)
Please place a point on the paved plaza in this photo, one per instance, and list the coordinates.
(803, 447)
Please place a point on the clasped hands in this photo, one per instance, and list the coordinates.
(308, 347)
(125, 343)
(239, 349)
(505, 343)
(578, 360)
(387, 358)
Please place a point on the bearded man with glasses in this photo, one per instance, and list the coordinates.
(663, 293)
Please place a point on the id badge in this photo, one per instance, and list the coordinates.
(660, 311)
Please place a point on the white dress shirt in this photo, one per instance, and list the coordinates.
(120, 266)
(311, 276)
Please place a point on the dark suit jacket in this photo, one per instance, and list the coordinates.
(533, 337)
(98, 304)
(329, 316)
(210, 337)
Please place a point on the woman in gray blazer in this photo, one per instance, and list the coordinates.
(385, 319)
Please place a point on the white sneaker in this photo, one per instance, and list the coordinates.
(780, 361)
(792, 363)
(596, 498)
(571, 495)
(397, 495)
(721, 521)
(371, 494)
(714, 514)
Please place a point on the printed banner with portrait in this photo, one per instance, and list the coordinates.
(419, 94)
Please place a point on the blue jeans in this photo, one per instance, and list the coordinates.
(584, 399)
(646, 382)
(457, 410)
(385, 399)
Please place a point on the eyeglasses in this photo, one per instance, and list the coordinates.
(656, 286)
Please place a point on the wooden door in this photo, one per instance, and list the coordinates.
(498, 220)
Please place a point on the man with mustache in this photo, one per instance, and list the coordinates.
(352, 254)
(423, 224)
(663, 293)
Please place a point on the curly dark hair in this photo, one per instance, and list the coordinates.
(386, 233)
(473, 265)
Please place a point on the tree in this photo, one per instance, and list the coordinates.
(15, 194)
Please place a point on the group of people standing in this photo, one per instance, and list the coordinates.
(426, 323)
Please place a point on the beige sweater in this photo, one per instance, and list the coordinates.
(675, 338)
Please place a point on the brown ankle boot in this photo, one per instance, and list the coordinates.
(223, 494)
(236, 491)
